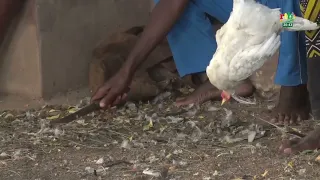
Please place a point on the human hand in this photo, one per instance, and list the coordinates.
(114, 91)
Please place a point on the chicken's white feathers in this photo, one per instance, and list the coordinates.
(301, 24)
(250, 37)
(245, 62)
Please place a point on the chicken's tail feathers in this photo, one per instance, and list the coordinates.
(300, 24)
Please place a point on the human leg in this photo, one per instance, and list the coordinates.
(291, 73)
(312, 140)
(311, 11)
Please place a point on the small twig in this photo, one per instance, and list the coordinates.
(173, 113)
(101, 142)
(287, 130)
(114, 163)
(14, 172)
(190, 152)
(121, 134)
(91, 147)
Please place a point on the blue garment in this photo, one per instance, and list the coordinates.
(193, 43)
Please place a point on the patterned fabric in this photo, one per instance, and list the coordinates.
(310, 9)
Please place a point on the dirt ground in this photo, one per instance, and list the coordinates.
(154, 140)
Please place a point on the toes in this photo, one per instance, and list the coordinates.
(288, 151)
(183, 101)
(180, 99)
(274, 120)
(124, 97)
(190, 100)
(299, 119)
(293, 119)
(299, 145)
(286, 145)
(286, 119)
(117, 101)
(304, 115)
(280, 119)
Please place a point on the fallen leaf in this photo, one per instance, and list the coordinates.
(53, 117)
(175, 119)
(290, 164)
(216, 173)
(89, 170)
(151, 173)
(318, 159)
(8, 116)
(52, 110)
(72, 110)
(162, 128)
(265, 173)
(307, 152)
(100, 161)
(2, 114)
(81, 121)
(212, 108)
(148, 126)
(302, 172)
(125, 144)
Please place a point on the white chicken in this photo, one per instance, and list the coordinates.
(250, 37)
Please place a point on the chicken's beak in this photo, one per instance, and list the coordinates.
(223, 101)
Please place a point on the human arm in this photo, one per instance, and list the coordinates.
(163, 17)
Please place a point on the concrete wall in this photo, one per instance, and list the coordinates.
(20, 71)
(49, 50)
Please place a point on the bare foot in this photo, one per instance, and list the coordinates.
(310, 142)
(207, 91)
(293, 105)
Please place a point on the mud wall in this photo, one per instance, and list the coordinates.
(50, 45)
(20, 71)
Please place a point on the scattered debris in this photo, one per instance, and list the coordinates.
(204, 142)
(229, 119)
(100, 161)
